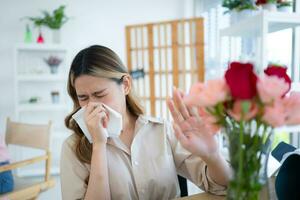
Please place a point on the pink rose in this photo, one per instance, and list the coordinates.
(207, 94)
(281, 72)
(292, 108)
(236, 111)
(209, 120)
(271, 87)
(274, 114)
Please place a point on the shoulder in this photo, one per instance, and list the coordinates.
(68, 152)
(69, 146)
(71, 141)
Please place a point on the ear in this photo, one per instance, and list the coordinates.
(127, 81)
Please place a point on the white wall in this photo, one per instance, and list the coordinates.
(94, 22)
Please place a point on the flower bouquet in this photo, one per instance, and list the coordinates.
(247, 107)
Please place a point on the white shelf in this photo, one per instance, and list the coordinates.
(41, 107)
(30, 83)
(40, 47)
(252, 25)
(43, 78)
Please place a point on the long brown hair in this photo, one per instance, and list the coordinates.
(101, 62)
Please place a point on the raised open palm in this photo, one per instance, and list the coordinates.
(193, 134)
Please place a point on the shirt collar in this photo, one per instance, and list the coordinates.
(140, 122)
(146, 119)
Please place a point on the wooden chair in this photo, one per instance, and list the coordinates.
(34, 136)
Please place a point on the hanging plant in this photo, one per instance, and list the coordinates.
(53, 21)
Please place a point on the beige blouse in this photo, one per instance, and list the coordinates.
(146, 171)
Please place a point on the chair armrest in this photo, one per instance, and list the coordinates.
(23, 163)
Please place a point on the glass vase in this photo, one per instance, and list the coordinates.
(249, 147)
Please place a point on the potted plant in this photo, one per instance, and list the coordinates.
(55, 97)
(53, 21)
(239, 9)
(284, 6)
(53, 62)
(270, 5)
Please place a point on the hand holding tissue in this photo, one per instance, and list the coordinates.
(114, 126)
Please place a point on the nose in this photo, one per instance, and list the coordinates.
(93, 100)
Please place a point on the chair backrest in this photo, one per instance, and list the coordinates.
(28, 135)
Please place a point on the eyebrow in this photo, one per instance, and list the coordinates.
(94, 93)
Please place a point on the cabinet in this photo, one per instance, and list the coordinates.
(40, 96)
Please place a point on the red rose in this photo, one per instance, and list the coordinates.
(280, 72)
(241, 80)
(259, 2)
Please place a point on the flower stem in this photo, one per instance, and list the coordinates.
(241, 152)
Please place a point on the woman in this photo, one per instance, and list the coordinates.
(144, 161)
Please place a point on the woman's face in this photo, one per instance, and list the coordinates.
(102, 90)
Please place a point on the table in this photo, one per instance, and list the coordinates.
(203, 196)
(208, 196)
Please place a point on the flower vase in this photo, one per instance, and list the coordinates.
(236, 16)
(272, 7)
(56, 36)
(40, 38)
(55, 97)
(28, 35)
(249, 148)
(53, 69)
(233, 17)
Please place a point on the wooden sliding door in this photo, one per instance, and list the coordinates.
(165, 54)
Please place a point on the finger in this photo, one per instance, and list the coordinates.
(174, 112)
(91, 106)
(179, 135)
(181, 93)
(105, 122)
(101, 117)
(94, 112)
(193, 112)
(191, 109)
(180, 104)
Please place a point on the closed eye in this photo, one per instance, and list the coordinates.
(82, 97)
(100, 96)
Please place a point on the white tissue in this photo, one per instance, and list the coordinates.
(114, 125)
